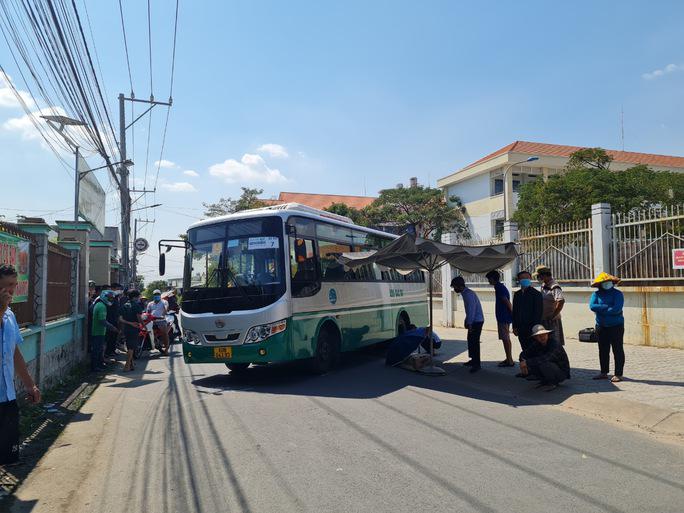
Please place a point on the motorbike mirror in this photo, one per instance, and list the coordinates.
(162, 264)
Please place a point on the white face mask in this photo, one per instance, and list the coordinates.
(607, 285)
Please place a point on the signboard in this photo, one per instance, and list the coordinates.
(678, 258)
(141, 245)
(262, 243)
(91, 198)
(15, 251)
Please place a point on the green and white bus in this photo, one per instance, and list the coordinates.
(265, 286)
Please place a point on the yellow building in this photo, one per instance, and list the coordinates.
(480, 185)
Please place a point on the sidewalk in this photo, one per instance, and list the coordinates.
(651, 396)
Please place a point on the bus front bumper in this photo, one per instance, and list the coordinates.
(273, 349)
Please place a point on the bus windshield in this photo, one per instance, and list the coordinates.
(241, 259)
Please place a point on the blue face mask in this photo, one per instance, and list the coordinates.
(525, 282)
(157, 299)
(607, 285)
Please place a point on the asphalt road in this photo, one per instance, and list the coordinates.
(366, 438)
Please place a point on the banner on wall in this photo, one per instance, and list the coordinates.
(15, 251)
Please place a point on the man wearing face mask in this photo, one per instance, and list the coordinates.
(527, 309)
(99, 329)
(607, 303)
(113, 319)
(158, 308)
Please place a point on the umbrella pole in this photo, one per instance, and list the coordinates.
(432, 369)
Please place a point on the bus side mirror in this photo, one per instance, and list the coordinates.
(162, 264)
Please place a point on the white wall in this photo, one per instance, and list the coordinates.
(473, 189)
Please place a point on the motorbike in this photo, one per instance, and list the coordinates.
(150, 333)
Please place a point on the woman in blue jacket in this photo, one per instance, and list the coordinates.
(607, 303)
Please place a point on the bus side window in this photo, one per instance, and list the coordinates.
(304, 267)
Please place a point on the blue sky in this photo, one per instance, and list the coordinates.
(358, 96)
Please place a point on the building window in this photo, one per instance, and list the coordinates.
(499, 186)
(498, 227)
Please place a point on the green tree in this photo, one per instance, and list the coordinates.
(358, 216)
(249, 199)
(157, 284)
(423, 208)
(587, 180)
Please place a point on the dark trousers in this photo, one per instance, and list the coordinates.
(549, 372)
(96, 349)
(9, 432)
(524, 338)
(611, 337)
(110, 342)
(474, 333)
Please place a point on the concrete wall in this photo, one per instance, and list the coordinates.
(100, 263)
(654, 316)
(62, 349)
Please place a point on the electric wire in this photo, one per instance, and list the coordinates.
(125, 39)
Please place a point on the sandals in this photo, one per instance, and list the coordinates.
(616, 379)
(506, 363)
(600, 376)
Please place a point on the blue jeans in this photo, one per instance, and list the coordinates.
(96, 347)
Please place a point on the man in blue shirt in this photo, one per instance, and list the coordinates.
(474, 319)
(11, 359)
(504, 315)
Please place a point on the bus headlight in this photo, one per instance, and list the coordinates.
(258, 334)
(192, 338)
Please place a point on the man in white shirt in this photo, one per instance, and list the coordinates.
(474, 319)
(158, 308)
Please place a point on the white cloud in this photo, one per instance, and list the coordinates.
(251, 168)
(273, 150)
(7, 96)
(191, 173)
(165, 164)
(670, 68)
(179, 187)
(25, 127)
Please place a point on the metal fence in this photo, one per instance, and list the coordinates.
(644, 242)
(475, 279)
(565, 248)
(59, 283)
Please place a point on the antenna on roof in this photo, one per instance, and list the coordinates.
(622, 126)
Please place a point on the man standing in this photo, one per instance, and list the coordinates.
(99, 328)
(553, 301)
(130, 320)
(11, 359)
(113, 318)
(504, 315)
(545, 358)
(474, 319)
(158, 308)
(527, 309)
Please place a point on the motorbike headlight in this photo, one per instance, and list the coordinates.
(192, 338)
(260, 333)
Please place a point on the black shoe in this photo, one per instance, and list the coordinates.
(520, 375)
(474, 369)
(469, 363)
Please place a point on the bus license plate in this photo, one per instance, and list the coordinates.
(223, 352)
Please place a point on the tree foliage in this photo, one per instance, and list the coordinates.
(421, 209)
(249, 199)
(358, 216)
(587, 180)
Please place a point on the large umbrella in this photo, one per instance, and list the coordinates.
(409, 253)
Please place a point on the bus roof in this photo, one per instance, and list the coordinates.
(288, 209)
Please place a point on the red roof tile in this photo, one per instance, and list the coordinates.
(559, 150)
(320, 201)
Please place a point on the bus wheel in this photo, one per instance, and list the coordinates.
(327, 351)
(237, 368)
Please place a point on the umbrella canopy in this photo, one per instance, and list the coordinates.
(408, 253)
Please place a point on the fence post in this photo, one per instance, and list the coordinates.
(601, 237)
(40, 230)
(510, 234)
(447, 276)
(74, 249)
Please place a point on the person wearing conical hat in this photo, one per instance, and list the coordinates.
(607, 303)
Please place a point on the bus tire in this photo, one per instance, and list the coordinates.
(237, 368)
(327, 350)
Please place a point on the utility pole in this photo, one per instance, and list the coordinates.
(134, 260)
(124, 190)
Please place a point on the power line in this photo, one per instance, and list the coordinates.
(149, 43)
(128, 60)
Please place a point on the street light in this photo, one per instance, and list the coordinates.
(505, 182)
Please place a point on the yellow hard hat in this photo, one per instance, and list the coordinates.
(603, 277)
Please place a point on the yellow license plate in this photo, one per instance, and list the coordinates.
(223, 352)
